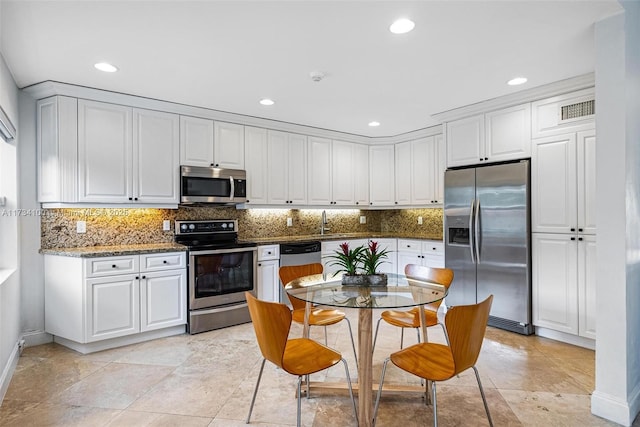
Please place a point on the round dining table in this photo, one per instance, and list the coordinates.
(399, 292)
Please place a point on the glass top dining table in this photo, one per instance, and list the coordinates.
(400, 292)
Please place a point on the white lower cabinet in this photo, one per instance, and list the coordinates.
(94, 299)
(563, 287)
(268, 268)
(427, 253)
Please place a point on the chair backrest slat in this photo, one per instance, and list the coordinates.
(271, 323)
(441, 276)
(466, 326)
(292, 272)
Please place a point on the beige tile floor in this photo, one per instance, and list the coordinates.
(207, 380)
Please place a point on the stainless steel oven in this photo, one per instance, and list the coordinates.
(220, 271)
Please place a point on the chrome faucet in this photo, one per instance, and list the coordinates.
(323, 223)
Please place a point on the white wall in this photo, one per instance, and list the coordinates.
(617, 43)
(9, 229)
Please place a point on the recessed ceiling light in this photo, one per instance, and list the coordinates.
(517, 81)
(267, 101)
(106, 67)
(374, 124)
(402, 26)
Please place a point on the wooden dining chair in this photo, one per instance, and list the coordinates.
(411, 318)
(317, 316)
(298, 356)
(467, 325)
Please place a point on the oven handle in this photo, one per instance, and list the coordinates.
(218, 309)
(223, 251)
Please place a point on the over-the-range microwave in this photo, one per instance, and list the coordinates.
(209, 185)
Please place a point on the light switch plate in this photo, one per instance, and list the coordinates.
(289, 222)
(81, 227)
(166, 225)
(420, 220)
(363, 219)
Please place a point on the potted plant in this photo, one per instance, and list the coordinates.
(359, 265)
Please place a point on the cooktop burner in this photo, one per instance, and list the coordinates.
(209, 234)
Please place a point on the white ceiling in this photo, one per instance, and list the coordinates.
(227, 55)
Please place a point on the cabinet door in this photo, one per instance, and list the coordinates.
(319, 171)
(343, 173)
(277, 161)
(423, 171)
(553, 185)
(228, 145)
(555, 282)
(297, 177)
(508, 134)
(156, 157)
(361, 174)
(381, 175)
(390, 264)
(441, 166)
(587, 286)
(163, 299)
(465, 141)
(255, 161)
(105, 166)
(586, 164)
(112, 307)
(405, 258)
(268, 281)
(403, 163)
(196, 141)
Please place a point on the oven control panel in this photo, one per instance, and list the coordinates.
(206, 227)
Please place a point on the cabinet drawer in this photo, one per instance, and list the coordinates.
(162, 261)
(268, 252)
(107, 266)
(433, 248)
(407, 245)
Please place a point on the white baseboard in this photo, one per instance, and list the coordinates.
(568, 338)
(33, 338)
(615, 409)
(8, 370)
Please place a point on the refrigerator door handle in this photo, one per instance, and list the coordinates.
(476, 237)
(471, 232)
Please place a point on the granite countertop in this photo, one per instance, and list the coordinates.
(116, 250)
(336, 236)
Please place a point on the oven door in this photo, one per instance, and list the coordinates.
(221, 276)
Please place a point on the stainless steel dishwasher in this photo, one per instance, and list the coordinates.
(298, 253)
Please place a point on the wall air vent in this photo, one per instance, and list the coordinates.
(578, 110)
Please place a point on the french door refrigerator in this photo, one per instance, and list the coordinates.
(488, 240)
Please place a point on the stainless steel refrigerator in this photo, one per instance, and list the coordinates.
(487, 231)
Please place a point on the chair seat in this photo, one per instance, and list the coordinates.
(409, 319)
(426, 360)
(303, 356)
(319, 316)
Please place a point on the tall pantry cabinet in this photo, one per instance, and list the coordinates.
(563, 223)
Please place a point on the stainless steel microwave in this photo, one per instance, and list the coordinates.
(208, 185)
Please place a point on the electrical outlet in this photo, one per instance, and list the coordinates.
(289, 222)
(81, 227)
(166, 225)
(420, 220)
(363, 219)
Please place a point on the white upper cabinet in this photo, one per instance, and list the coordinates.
(344, 172)
(563, 179)
(105, 152)
(465, 141)
(361, 174)
(381, 175)
(403, 173)
(228, 145)
(492, 137)
(156, 176)
(571, 112)
(204, 142)
(287, 174)
(57, 149)
(419, 172)
(319, 171)
(255, 143)
(196, 141)
(441, 166)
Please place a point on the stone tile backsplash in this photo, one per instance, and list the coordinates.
(120, 226)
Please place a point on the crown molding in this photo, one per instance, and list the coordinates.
(539, 92)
